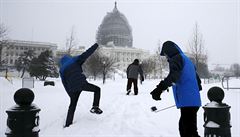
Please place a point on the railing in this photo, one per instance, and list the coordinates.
(226, 78)
(211, 80)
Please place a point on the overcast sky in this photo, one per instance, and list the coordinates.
(151, 21)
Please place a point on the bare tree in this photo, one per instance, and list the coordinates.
(148, 66)
(3, 44)
(3, 41)
(3, 32)
(108, 65)
(162, 61)
(198, 53)
(99, 64)
(71, 41)
(93, 66)
(196, 47)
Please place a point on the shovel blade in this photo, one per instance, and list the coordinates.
(153, 108)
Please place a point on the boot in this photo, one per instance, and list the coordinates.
(96, 110)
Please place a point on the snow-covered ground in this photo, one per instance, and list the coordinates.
(123, 116)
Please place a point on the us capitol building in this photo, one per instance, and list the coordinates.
(114, 35)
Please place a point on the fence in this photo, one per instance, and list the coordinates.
(227, 80)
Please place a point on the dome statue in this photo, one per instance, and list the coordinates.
(115, 30)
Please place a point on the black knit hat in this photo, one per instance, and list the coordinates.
(165, 47)
(136, 61)
(169, 48)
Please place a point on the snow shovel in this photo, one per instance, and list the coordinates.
(154, 108)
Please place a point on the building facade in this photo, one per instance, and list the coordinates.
(123, 55)
(61, 52)
(11, 51)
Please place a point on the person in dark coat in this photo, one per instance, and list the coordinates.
(74, 82)
(132, 75)
(186, 85)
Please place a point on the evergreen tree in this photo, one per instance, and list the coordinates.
(23, 62)
(43, 66)
(34, 70)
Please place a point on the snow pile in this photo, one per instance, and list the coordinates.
(212, 104)
(212, 124)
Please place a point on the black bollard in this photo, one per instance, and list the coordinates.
(216, 115)
(23, 118)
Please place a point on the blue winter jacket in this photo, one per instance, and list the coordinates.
(71, 71)
(182, 77)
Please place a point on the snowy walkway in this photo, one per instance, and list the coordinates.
(123, 116)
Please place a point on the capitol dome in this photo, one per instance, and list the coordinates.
(115, 30)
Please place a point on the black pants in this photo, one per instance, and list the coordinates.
(129, 85)
(74, 99)
(188, 122)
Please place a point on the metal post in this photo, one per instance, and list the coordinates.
(216, 115)
(23, 118)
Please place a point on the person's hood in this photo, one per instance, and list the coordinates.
(170, 49)
(136, 62)
(64, 59)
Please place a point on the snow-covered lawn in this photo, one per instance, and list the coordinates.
(123, 116)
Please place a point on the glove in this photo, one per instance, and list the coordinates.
(156, 93)
(162, 86)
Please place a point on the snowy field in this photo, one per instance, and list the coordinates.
(123, 116)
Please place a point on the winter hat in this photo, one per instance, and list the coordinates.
(136, 61)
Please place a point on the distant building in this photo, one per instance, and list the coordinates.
(115, 37)
(61, 52)
(123, 55)
(115, 29)
(11, 51)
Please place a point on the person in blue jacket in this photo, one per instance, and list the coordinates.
(186, 85)
(74, 82)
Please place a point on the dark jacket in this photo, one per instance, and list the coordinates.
(71, 71)
(134, 69)
(182, 76)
